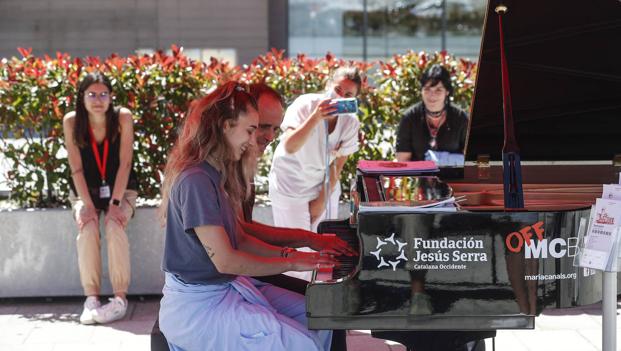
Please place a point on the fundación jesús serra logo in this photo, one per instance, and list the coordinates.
(386, 243)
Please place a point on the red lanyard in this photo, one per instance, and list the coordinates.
(100, 165)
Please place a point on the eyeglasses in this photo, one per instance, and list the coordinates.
(104, 95)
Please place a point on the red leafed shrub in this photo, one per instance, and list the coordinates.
(35, 93)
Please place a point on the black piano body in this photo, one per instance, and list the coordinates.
(478, 268)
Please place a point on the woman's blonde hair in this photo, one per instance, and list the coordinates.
(201, 138)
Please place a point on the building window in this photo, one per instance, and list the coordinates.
(372, 30)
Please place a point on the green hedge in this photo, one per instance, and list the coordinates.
(35, 93)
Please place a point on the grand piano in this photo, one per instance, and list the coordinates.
(491, 266)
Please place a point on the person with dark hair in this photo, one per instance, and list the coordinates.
(210, 302)
(99, 141)
(433, 129)
(313, 131)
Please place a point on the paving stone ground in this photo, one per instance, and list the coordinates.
(53, 325)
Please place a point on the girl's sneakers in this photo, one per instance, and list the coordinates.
(90, 305)
(112, 311)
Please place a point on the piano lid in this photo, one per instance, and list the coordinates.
(564, 59)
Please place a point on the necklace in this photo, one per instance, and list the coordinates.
(434, 114)
(433, 125)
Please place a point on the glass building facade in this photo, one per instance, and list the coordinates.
(378, 29)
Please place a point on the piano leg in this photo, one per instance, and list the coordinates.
(339, 340)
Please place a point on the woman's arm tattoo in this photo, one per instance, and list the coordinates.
(209, 250)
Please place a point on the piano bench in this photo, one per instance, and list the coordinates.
(158, 340)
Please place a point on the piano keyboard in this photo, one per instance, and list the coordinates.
(347, 264)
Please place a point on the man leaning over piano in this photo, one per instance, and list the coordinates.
(270, 108)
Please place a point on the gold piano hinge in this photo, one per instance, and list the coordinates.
(483, 167)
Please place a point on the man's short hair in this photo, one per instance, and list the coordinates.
(261, 89)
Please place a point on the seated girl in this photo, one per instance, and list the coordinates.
(210, 302)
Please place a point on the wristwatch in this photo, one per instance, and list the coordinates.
(115, 202)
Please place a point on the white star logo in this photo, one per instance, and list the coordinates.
(382, 263)
(380, 243)
(401, 245)
(394, 242)
(376, 253)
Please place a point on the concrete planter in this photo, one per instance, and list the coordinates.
(38, 252)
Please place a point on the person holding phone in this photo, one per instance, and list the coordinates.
(433, 129)
(99, 141)
(300, 164)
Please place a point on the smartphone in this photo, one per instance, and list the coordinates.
(346, 105)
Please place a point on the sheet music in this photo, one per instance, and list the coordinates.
(448, 205)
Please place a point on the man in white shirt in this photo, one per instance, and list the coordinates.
(297, 177)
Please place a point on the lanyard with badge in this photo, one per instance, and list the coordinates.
(104, 189)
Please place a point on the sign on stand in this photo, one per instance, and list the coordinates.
(598, 248)
(600, 243)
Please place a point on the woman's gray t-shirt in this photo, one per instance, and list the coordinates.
(197, 199)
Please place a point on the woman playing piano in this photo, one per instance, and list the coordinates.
(433, 129)
(209, 301)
